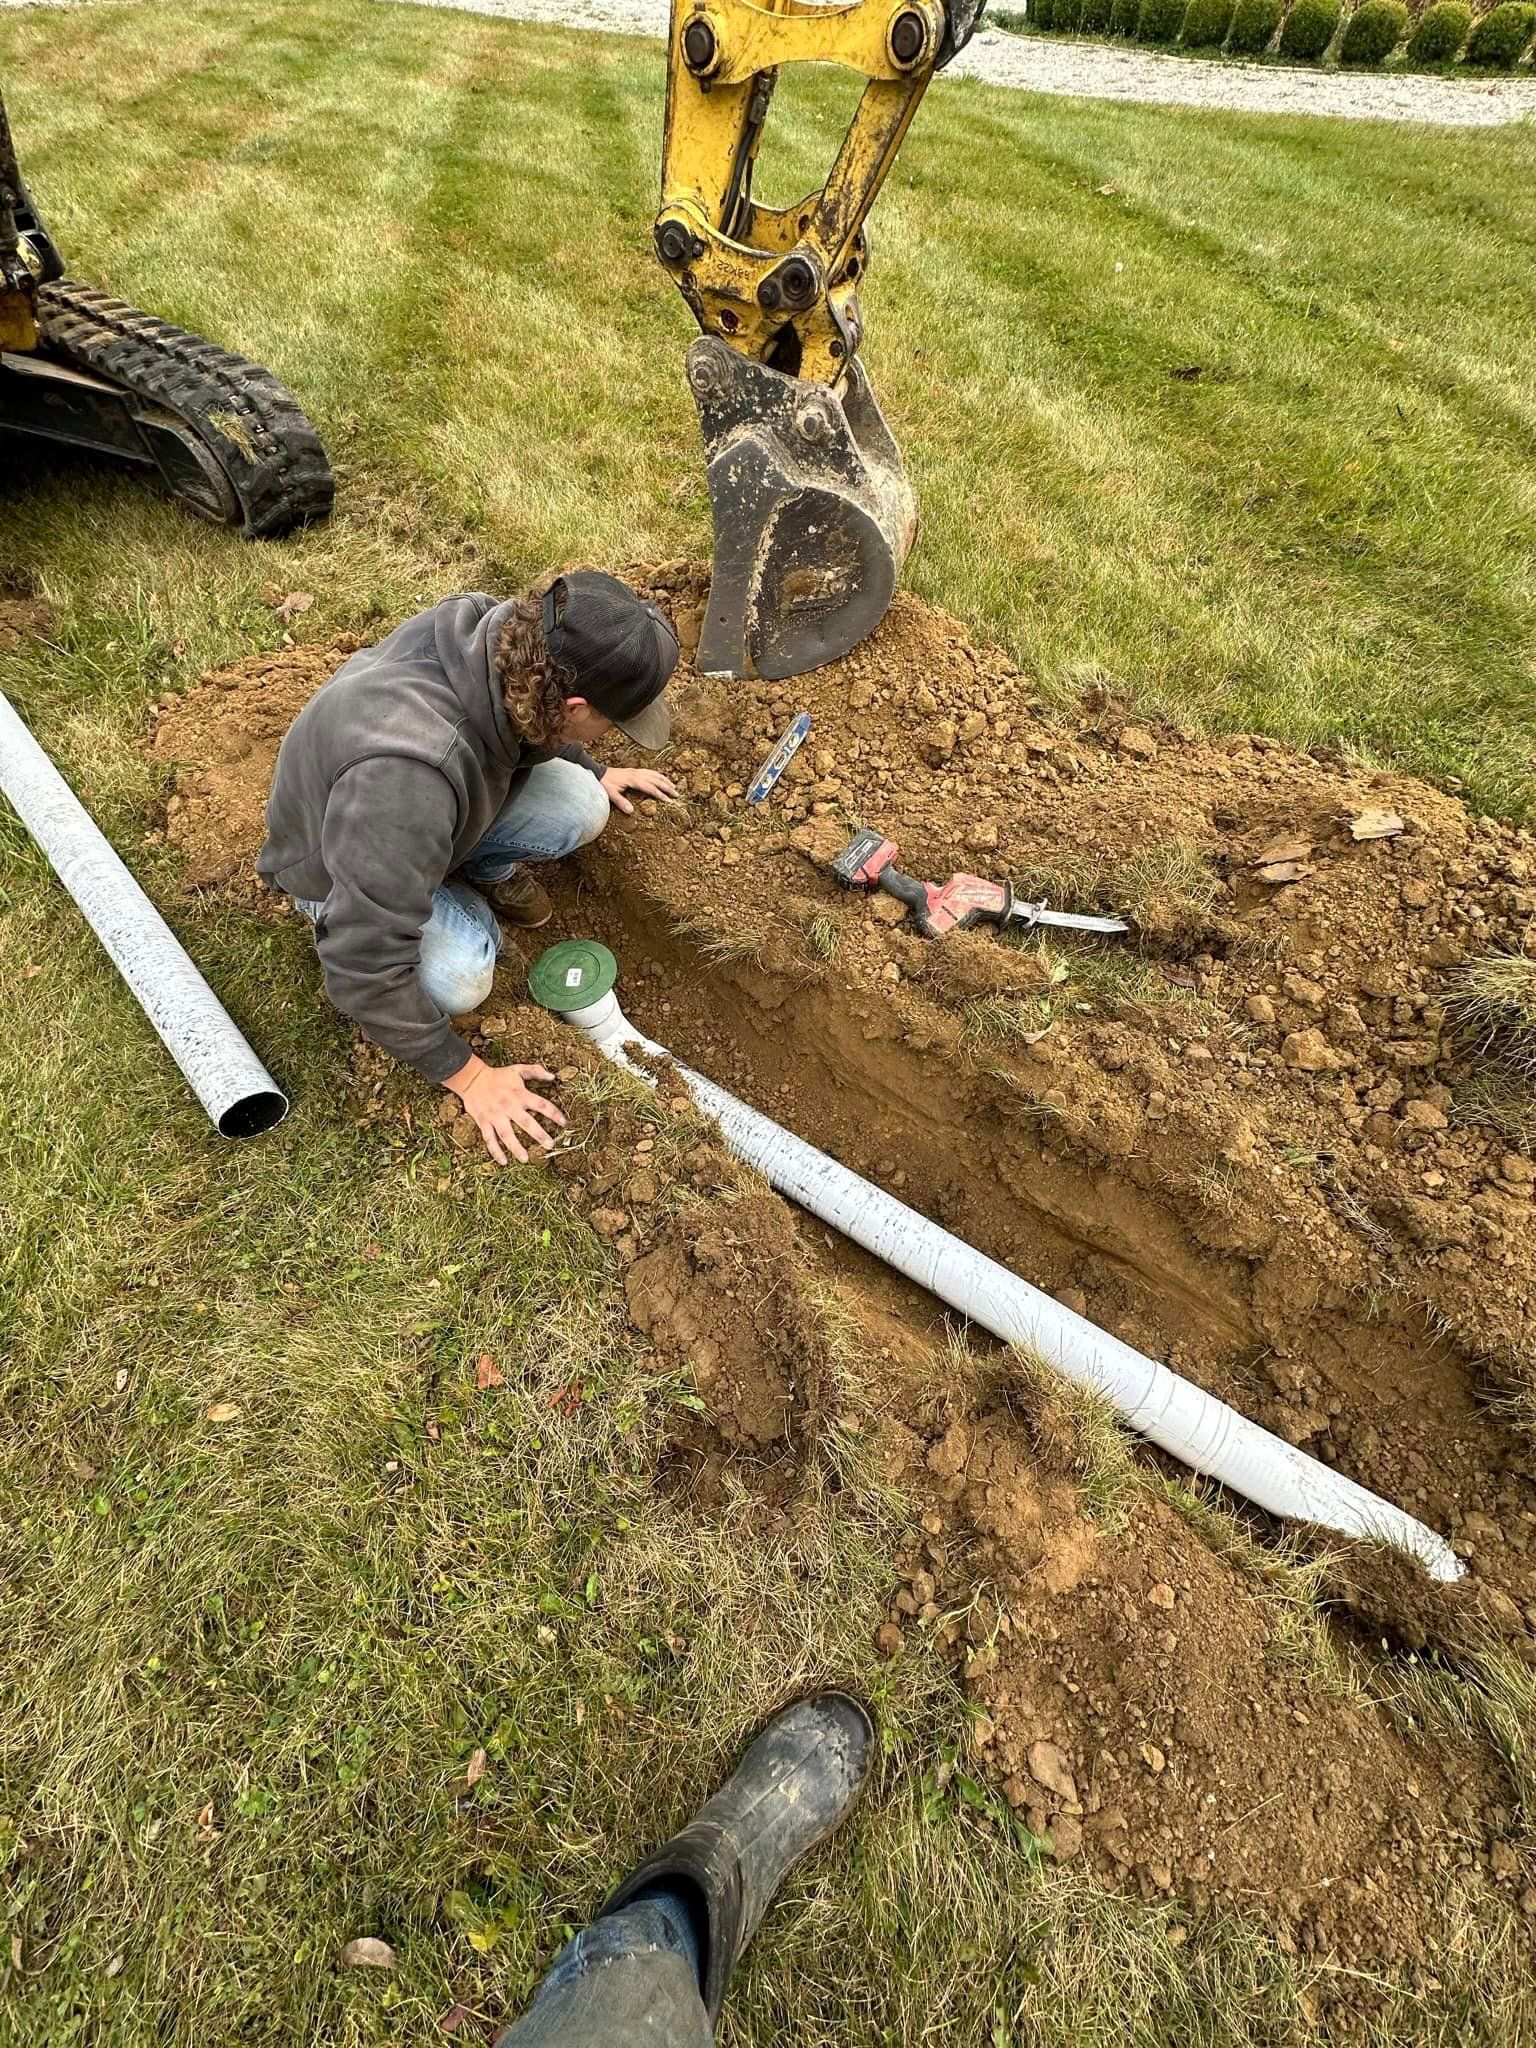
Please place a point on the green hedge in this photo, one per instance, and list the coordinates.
(1442, 30)
(1499, 37)
(1373, 32)
(1253, 26)
(1246, 28)
(1160, 21)
(1309, 29)
(1206, 23)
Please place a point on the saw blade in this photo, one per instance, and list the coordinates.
(1038, 913)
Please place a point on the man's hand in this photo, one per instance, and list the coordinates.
(502, 1104)
(643, 781)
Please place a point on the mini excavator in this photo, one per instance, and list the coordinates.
(81, 368)
(813, 512)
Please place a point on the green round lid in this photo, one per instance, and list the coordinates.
(572, 974)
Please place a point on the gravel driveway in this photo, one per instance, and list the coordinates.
(1109, 71)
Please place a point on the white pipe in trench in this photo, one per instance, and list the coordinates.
(1192, 1425)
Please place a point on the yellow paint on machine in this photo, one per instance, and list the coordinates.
(18, 328)
(780, 285)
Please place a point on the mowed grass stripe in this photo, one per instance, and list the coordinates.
(520, 362)
(173, 110)
(1404, 536)
(505, 275)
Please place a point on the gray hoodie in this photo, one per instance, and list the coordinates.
(387, 779)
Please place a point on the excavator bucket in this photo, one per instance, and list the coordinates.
(812, 509)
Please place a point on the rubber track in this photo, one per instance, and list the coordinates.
(281, 476)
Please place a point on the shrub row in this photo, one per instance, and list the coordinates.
(1373, 32)
(1500, 39)
(1253, 26)
(1206, 24)
(1247, 28)
(1442, 30)
(1309, 29)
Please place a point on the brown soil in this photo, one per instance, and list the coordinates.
(714, 1296)
(21, 619)
(223, 737)
(1139, 1710)
(1249, 1157)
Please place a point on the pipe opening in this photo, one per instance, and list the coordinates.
(252, 1116)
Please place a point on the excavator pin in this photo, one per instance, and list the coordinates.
(813, 514)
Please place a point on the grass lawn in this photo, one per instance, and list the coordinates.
(242, 1666)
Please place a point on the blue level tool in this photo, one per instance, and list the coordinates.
(780, 758)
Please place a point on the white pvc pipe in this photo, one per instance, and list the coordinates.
(200, 1035)
(1174, 1413)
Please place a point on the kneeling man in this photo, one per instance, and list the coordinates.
(417, 786)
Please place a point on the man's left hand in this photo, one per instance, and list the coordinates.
(643, 781)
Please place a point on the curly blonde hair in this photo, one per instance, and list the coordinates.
(533, 684)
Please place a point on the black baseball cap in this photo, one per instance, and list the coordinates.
(620, 651)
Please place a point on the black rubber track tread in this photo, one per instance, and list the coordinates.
(281, 476)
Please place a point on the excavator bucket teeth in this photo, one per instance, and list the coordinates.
(813, 514)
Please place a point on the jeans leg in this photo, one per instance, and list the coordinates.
(459, 944)
(553, 808)
(629, 1979)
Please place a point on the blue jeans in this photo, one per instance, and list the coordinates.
(629, 1979)
(552, 808)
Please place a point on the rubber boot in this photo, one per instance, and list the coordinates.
(797, 1782)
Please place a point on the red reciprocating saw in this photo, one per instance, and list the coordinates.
(868, 862)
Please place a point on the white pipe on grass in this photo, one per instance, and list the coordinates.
(229, 1081)
(1190, 1424)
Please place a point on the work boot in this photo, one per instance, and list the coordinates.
(519, 900)
(797, 1782)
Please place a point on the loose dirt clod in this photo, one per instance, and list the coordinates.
(718, 1295)
(367, 1953)
(224, 736)
(1249, 1142)
(22, 618)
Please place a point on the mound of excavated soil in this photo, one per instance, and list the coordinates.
(224, 736)
(713, 1296)
(1139, 1710)
(1238, 1140)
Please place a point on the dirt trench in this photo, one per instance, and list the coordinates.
(1395, 1404)
(1241, 1143)
(1138, 1700)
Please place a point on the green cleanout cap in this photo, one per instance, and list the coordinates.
(572, 974)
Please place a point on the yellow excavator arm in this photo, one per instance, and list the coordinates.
(813, 513)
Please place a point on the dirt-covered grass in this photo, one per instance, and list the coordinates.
(1493, 1001)
(244, 1663)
